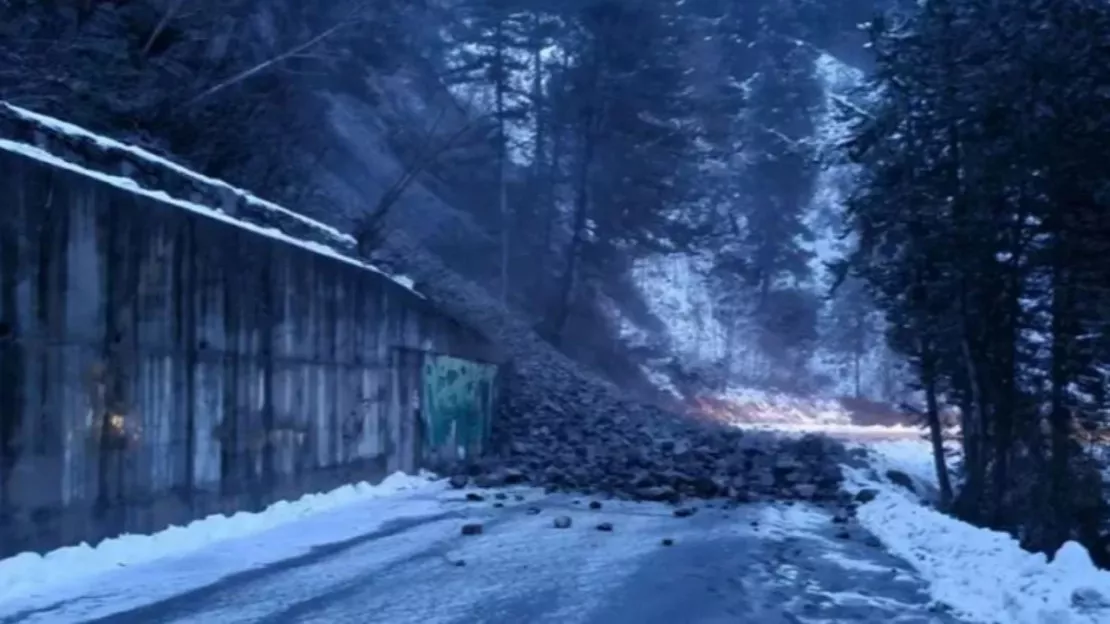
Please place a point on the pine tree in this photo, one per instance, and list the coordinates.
(623, 106)
(851, 329)
(980, 215)
(488, 36)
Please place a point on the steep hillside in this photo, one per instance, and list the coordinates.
(682, 293)
(326, 110)
(362, 115)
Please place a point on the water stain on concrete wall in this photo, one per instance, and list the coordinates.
(157, 365)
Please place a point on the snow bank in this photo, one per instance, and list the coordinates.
(876, 433)
(28, 573)
(985, 576)
(912, 456)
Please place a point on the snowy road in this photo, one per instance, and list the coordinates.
(758, 564)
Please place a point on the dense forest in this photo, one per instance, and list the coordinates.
(547, 151)
(983, 223)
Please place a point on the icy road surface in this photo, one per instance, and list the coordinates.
(763, 564)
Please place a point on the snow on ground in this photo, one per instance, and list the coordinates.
(979, 575)
(983, 575)
(31, 575)
(875, 433)
(752, 406)
(912, 455)
(750, 563)
(764, 406)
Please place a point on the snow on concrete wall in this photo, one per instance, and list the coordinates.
(160, 361)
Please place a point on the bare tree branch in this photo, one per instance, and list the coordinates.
(267, 64)
(370, 226)
(162, 23)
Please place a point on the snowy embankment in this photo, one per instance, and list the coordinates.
(362, 507)
(982, 575)
(842, 432)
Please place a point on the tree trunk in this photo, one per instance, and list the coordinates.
(588, 122)
(936, 432)
(974, 460)
(856, 364)
(1060, 417)
(551, 182)
(1007, 404)
(538, 109)
(500, 78)
(730, 349)
(578, 231)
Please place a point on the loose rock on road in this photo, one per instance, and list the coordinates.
(759, 563)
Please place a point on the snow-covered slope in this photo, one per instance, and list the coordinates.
(834, 182)
(679, 293)
(981, 575)
(675, 289)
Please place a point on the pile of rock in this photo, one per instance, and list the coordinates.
(568, 434)
(564, 429)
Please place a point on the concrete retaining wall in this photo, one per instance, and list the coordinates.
(157, 365)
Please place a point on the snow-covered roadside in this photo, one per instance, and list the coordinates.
(983, 575)
(751, 406)
(911, 455)
(841, 431)
(356, 509)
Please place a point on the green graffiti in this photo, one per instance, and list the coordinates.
(457, 404)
